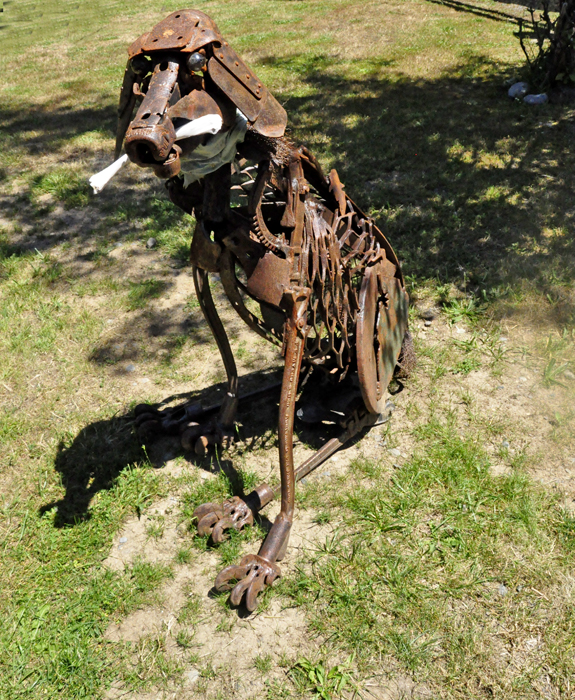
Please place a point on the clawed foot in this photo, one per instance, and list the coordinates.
(183, 421)
(253, 574)
(215, 518)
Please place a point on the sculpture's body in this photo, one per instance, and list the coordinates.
(327, 281)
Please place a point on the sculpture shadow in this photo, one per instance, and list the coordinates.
(94, 459)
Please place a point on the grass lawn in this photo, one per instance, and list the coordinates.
(434, 557)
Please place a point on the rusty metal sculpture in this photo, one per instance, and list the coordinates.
(327, 282)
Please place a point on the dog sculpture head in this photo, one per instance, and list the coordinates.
(191, 84)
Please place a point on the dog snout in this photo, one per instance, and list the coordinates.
(151, 135)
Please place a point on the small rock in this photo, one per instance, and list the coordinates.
(519, 589)
(505, 444)
(428, 314)
(502, 590)
(304, 480)
(540, 99)
(151, 243)
(130, 368)
(427, 324)
(518, 90)
(123, 539)
(394, 452)
(192, 676)
(390, 406)
(522, 379)
(568, 374)
(501, 386)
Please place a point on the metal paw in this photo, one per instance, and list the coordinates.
(215, 518)
(252, 574)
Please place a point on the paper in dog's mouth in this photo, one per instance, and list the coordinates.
(208, 124)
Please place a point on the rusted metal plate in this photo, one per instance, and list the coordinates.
(249, 95)
(195, 105)
(187, 30)
(241, 72)
(270, 279)
(236, 91)
(381, 326)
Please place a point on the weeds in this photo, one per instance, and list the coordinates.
(65, 185)
(321, 680)
(141, 292)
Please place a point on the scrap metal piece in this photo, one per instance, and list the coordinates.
(381, 327)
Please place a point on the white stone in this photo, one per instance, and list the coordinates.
(517, 91)
(539, 99)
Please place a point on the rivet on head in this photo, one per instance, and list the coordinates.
(237, 63)
(247, 77)
(221, 55)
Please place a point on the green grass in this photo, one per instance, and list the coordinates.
(65, 185)
(437, 563)
(56, 591)
(141, 292)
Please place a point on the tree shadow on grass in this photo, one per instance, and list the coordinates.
(471, 188)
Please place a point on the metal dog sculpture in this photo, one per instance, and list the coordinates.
(328, 283)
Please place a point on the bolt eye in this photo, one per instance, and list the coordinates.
(140, 65)
(196, 62)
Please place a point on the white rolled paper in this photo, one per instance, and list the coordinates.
(101, 179)
(208, 124)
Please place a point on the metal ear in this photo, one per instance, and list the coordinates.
(128, 99)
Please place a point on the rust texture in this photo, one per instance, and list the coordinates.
(278, 231)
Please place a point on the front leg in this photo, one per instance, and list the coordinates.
(198, 427)
(222, 430)
(255, 572)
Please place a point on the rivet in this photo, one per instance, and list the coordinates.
(237, 63)
(247, 77)
(259, 85)
(221, 55)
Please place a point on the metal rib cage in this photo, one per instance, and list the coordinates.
(334, 259)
